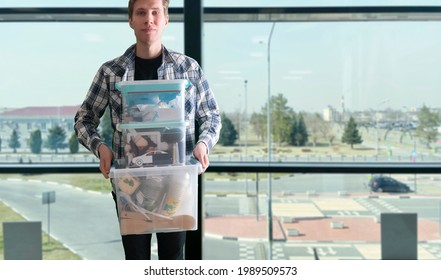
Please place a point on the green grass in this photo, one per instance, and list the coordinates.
(92, 182)
(52, 249)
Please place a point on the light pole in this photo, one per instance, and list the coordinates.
(246, 120)
(376, 124)
(246, 133)
(239, 124)
(268, 123)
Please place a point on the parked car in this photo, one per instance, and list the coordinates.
(387, 184)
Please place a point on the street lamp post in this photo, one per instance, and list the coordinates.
(268, 119)
(246, 120)
(246, 133)
(239, 125)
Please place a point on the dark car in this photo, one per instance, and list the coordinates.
(387, 184)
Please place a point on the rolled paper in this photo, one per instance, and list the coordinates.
(177, 186)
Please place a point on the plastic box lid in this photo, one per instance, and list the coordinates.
(153, 100)
(152, 85)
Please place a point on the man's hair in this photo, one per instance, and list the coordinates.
(165, 4)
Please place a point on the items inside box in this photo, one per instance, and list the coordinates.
(154, 147)
(153, 108)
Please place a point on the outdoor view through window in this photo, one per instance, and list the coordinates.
(380, 77)
(339, 92)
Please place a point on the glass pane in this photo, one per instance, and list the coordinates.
(49, 68)
(380, 74)
(335, 216)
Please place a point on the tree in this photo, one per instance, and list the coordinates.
(313, 122)
(302, 134)
(106, 129)
(429, 122)
(56, 138)
(14, 141)
(281, 119)
(318, 129)
(228, 134)
(326, 131)
(293, 131)
(298, 133)
(258, 123)
(351, 134)
(74, 145)
(35, 141)
(0, 144)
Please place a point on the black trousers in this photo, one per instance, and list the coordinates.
(138, 246)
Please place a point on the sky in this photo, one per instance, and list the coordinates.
(313, 64)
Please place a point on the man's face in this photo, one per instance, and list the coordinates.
(148, 21)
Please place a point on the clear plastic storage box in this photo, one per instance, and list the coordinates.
(153, 100)
(160, 199)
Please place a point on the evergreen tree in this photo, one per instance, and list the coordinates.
(302, 133)
(36, 142)
(14, 141)
(293, 131)
(228, 134)
(106, 129)
(351, 134)
(74, 145)
(299, 134)
(56, 138)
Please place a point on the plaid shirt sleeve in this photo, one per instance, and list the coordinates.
(207, 113)
(88, 116)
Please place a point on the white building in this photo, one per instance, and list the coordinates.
(28, 119)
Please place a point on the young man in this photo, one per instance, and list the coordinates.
(148, 59)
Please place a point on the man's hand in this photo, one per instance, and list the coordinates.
(200, 152)
(106, 157)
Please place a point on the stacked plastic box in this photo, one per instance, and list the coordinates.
(156, 191)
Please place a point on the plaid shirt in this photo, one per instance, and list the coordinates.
(200, 104)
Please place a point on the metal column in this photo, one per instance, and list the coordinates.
(193, 48)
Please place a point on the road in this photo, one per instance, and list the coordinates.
(309, 183)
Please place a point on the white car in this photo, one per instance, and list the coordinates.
(153, 158)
